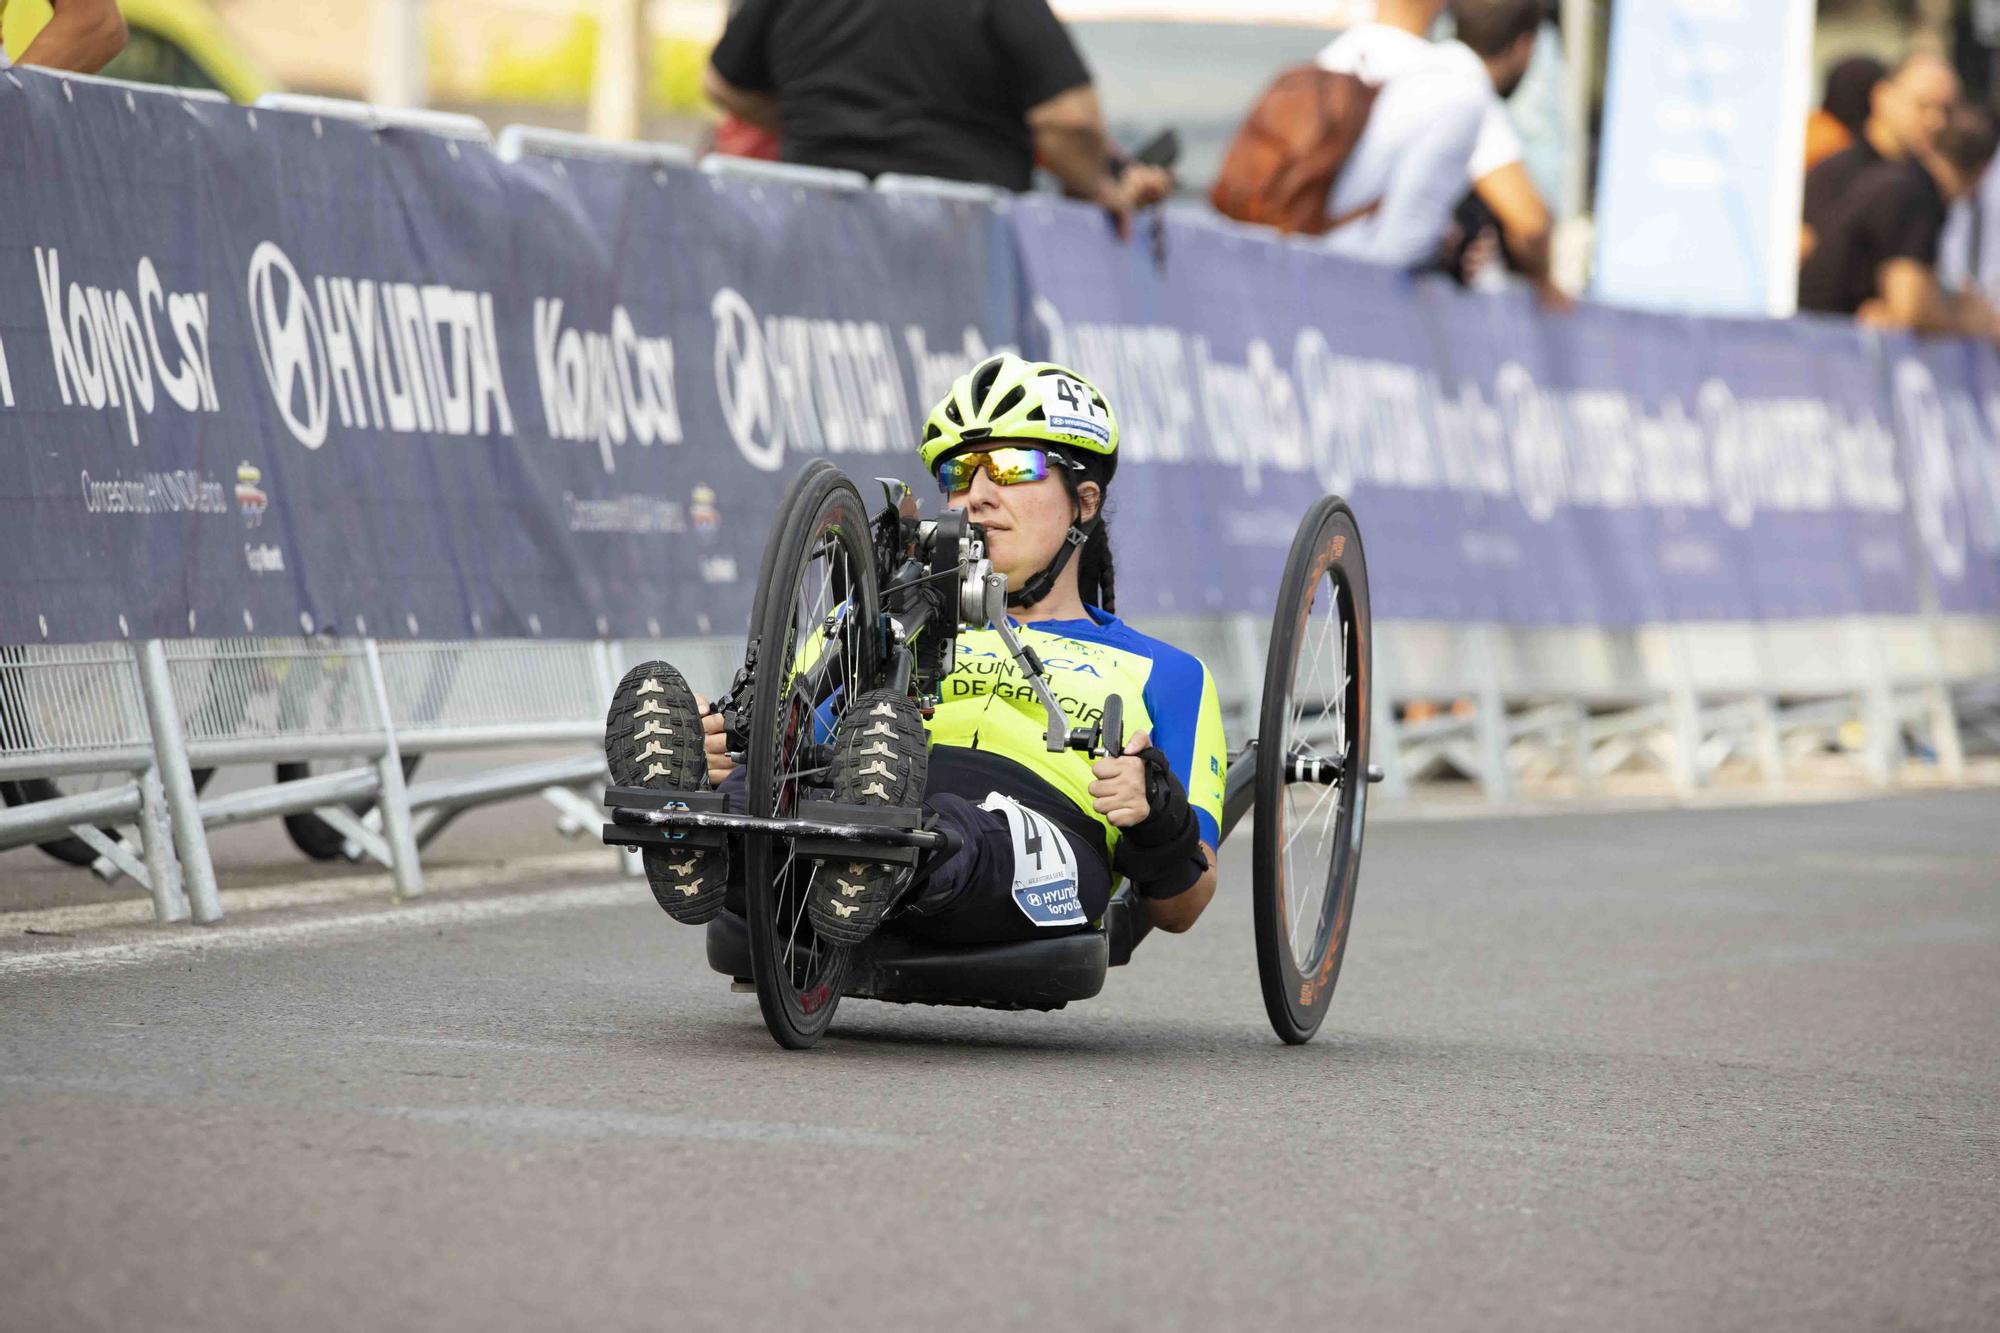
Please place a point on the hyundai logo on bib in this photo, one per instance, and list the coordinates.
(379, 355)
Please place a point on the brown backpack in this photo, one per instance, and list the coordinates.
(1280, 170)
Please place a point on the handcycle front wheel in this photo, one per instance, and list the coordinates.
(1312, 770)
(815, 628)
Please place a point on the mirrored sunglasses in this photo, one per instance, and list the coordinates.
(1007, 467)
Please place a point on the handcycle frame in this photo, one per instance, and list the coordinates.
(938, 578)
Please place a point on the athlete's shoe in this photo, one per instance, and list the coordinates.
(653, 739)
(880, 757)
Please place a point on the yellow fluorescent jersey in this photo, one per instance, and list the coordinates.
(986, 705)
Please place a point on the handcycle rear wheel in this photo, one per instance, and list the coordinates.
(815, 628)
(1312, 770)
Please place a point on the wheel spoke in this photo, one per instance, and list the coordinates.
(1326, 794)
(1316, 723)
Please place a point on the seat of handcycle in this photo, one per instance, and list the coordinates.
(1030, 974)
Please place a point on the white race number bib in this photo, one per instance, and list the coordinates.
(1045, 879)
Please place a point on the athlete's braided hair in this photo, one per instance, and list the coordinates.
(1096, 576)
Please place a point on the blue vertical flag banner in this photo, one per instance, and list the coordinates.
(266, 373)
(1703, 155)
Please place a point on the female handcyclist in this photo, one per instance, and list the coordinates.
(1028, 451)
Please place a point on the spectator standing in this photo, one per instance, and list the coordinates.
(1876, 255)
(1395, 193)
(1907, 112)
(81, 36)
(970, 90)
(1842, 115)
(1502, 34)
(736, 137)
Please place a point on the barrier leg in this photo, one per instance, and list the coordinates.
(1940, 714)
(1685, 709)
(1770, 743)
(1944, 732)
(156, 840)
(176, 778)
(1881, 725)
(1385, 744)
(394, 800)
(1583, 751)
(1494, 775)
(1249, 670)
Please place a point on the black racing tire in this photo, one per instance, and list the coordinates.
(818, 600)
(70, 851)
(1307, 840)
(314, 836)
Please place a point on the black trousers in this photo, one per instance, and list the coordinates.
(969, 898)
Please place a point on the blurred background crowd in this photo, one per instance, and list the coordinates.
(1513, 93)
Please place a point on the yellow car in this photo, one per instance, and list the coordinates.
(176, 42)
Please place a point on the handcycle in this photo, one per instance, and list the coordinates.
(845, 604)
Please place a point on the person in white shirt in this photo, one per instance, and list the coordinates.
(1409, 168)
(1438, 126)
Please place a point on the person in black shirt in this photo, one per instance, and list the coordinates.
(1877, 256)
(1907, 113)
(970, 90)
(1842, 115)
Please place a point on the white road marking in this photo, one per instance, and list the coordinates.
(566, 1122)
(308, 893)
(392, 917)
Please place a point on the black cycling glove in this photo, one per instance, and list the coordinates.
(1162, 853)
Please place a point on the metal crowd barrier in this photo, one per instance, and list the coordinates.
(143, 721)
(1534, 706)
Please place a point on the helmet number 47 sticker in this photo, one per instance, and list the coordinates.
(1072, 409)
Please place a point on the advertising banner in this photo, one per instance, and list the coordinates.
(266, 373)
(1606, 468)
(1703, 155)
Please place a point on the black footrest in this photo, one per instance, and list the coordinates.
(645, 798)
(868, 816)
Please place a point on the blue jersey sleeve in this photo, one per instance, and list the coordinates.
(1187, 728)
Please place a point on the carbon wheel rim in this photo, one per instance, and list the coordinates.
(823, 631)
(1319, 815)
(1312, 758)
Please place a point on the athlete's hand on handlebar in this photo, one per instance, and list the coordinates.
(714, 743)
(1119, 794)
(1160, 850)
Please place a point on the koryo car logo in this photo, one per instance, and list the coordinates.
(290, 344)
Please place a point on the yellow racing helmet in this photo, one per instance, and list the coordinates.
(1007, 398)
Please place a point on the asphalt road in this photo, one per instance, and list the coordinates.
(1734, 1069)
